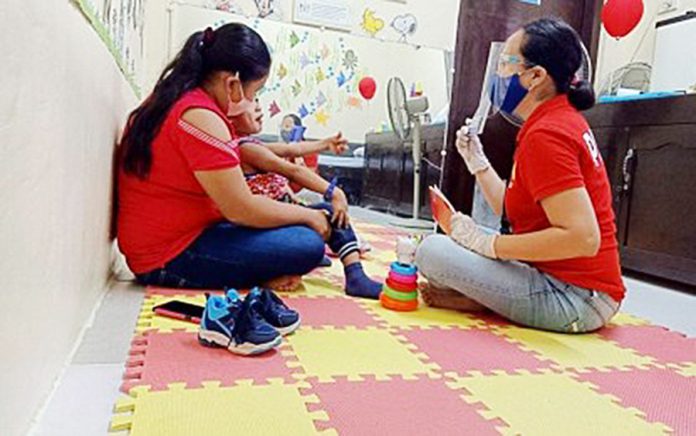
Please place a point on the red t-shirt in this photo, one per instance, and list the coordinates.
(159, 217)
(556, 151)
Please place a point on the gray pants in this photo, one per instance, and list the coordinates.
(514, 290)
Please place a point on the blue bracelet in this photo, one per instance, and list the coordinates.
(328, 195)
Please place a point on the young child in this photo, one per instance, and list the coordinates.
(269, 174)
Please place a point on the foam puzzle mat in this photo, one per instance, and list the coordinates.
(355, 368)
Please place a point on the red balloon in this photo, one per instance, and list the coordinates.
(367, 87)
(620, 17)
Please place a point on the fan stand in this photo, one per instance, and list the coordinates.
(414, 222)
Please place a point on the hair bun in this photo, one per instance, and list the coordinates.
(581, 95)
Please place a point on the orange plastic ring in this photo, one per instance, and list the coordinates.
(398, 306)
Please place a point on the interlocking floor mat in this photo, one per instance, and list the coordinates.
(355, 368)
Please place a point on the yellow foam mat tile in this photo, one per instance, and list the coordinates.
(424, 318)
(148, 320)
(577, 352)
(353, 353)
(688, 370)
(552, 404)
(215, 410)
(625, 319)
(314, 286)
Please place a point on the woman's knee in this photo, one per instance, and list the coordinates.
(433, 253)
(306, 248)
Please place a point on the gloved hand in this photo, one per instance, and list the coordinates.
(470, 148)
(466, 233)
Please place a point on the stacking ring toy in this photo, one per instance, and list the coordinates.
(404, 269)
(398, 306)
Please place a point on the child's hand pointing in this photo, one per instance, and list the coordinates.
(337, 143)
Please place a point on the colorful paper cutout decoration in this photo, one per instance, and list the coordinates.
(341, 79)
(321, 99)
(296, 88)
(350, 60)
(282, 71)
(302, 111)
(406, 25)
(367, 87)
(371, 23)
(294, 40)
(304, 60)
(416, 89)
(274, 109)
(321, 117)
(319, 76)
(354, 102)
(620, 17)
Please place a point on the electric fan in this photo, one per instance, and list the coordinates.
(405, 117)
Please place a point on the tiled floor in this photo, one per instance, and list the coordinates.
(83, 401)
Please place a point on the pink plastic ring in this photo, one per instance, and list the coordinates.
(404, 279)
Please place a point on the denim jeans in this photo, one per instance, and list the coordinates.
(229, 256)
(515, 290)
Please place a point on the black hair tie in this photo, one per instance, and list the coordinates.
(208, 38)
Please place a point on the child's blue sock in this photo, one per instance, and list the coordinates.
(360, 285)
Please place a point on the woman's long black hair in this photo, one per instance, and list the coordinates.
(233, 47)
(551, 43)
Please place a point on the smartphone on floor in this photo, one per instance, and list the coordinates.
(181, 310)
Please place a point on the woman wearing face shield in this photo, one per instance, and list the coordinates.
(557, 268)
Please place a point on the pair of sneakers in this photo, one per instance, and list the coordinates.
(248, 326)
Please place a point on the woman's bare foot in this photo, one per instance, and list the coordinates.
(449, 299)
(284, 284)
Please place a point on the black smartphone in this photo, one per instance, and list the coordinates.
(180, 310)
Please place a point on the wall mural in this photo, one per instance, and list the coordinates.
(120, 24)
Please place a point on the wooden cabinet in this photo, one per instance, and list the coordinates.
(650, 153)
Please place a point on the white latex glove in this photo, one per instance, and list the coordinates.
(470, 148)
(466, 233)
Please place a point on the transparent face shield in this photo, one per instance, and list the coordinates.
(500, 67)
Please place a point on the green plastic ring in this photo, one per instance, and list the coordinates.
(400, 296)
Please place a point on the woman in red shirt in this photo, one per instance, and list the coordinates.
(559, 269)
(186, 217)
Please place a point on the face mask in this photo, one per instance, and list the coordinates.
(507, 93)
(235, 109)
(286, 135)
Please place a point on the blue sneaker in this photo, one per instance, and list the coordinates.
(228, 322)
(274, 311)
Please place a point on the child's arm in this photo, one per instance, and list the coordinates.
(338, 144)
(263, 159)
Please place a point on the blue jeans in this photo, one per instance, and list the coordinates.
(514, 290)
(228, 256)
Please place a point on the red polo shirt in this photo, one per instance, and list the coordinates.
(556, 151)
(159, 217)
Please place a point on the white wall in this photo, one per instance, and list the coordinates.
(639, 45)
(62, 102)
(437, 24)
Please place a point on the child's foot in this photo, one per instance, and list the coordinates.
(284, 284)
(449, 299)
(358, 284)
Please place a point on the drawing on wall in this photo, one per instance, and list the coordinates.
(268, 9)
(371, 23)
(406, 25)
(120, 24)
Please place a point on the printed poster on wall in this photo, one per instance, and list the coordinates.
(119, 23)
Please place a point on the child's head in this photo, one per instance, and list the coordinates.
(290, 121)
(232, 63)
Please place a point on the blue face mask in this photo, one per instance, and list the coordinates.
(507, 93)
